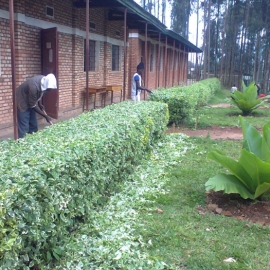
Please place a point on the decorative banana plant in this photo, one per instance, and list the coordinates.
(250, 175)
(247, 101)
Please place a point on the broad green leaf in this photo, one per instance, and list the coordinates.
(257, 169)
(244, 87)
(237, 95)
(261, 189)
(266, 133)
(251, 92)
(253, 168)
(248, 100)
(234, 167)
(230, 184)
(253, 141)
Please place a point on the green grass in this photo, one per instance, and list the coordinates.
(130, 234)
(184, 237)
(223, 117)
(221, 96)
(229, 117)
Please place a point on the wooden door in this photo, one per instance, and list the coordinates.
(49, 64)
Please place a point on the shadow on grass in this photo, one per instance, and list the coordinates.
(253, 114)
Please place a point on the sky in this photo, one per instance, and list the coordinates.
(192, 25)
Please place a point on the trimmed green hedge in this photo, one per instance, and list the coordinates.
(184, 101)
(51, 180)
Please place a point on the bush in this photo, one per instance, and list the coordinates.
(183, 102)
(248, 101)
(249, 176)
(51, 180)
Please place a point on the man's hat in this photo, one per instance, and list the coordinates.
(140, 66)
(48, 82)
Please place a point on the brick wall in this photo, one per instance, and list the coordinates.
(63, 10)
(5, 78)
(71, 34)
(65, 70)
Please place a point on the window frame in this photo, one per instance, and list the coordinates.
(92, 55)
(115, 65)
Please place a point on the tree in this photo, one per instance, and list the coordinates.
(236, 36)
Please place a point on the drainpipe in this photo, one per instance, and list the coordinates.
(12, 47)
(173, 63)
(87, 54)
(179, 63)
(193, 56)
(158, 59)
(183, 65)
(146, 61)
(166, 61)
(184, 69)
(125, 55)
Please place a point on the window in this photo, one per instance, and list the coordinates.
(50, 11)
(115, 58)
(92, 25)
(92, 55)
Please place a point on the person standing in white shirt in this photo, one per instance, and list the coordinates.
(136, 85)
(234, 88)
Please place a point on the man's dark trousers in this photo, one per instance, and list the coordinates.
(27, 122)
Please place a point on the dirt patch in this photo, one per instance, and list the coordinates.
(214, 132)
(221, 105)
(232, 205)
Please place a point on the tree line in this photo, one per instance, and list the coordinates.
(236, 36)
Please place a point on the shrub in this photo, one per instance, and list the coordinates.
(248, 100)
(51, 180)
(250, 175)
(183, 102)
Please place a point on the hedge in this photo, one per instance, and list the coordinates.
(51, 180)
(183, 102)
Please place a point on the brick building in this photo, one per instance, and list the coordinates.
(50, 36)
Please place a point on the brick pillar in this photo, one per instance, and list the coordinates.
(77, 60)
(107, 50)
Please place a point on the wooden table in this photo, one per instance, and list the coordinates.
(111, 88)
(94, 90)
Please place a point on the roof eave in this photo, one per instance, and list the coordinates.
(160, 26)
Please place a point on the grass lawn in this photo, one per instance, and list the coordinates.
(154, 222)
(223, 117)
(184, 237)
